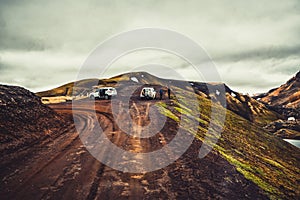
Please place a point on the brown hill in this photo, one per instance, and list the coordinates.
(243, 105)
(255, 153)
(287, 95)
(67, 89)
(284, 100)
(24, 120)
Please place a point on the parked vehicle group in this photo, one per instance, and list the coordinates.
(147, 93)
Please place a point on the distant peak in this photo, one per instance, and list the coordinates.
(298, 75)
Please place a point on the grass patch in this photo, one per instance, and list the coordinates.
(163, 110)
(253, 174)
(273, 162)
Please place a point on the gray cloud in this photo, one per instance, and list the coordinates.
(9, 41)
(272, 52)
(44, 43)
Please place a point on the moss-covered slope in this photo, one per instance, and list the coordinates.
(268, 161)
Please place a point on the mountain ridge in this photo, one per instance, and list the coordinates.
(287, 95)
(243, 105)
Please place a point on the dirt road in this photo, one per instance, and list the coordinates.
(61, 167)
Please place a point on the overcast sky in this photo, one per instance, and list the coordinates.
(254, 44)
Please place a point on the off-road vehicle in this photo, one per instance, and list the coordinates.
(148, 93)
(103, 93)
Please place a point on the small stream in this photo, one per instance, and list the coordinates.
(293, 142)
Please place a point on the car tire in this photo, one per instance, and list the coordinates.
(92, 97)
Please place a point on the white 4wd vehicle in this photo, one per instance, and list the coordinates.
(148, 93)
(103, 93)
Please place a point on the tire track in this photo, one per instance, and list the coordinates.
(87, 117)
(65, 143)
(94, 188)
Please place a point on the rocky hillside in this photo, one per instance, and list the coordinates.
(24, 119)
(266, 160)
(243, 105)
(289, 129)
(287, 95)
(285, 100)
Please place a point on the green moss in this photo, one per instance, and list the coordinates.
(273, 162)
(168, 113)
(253, 174)
(272, 191)
(182, 111)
